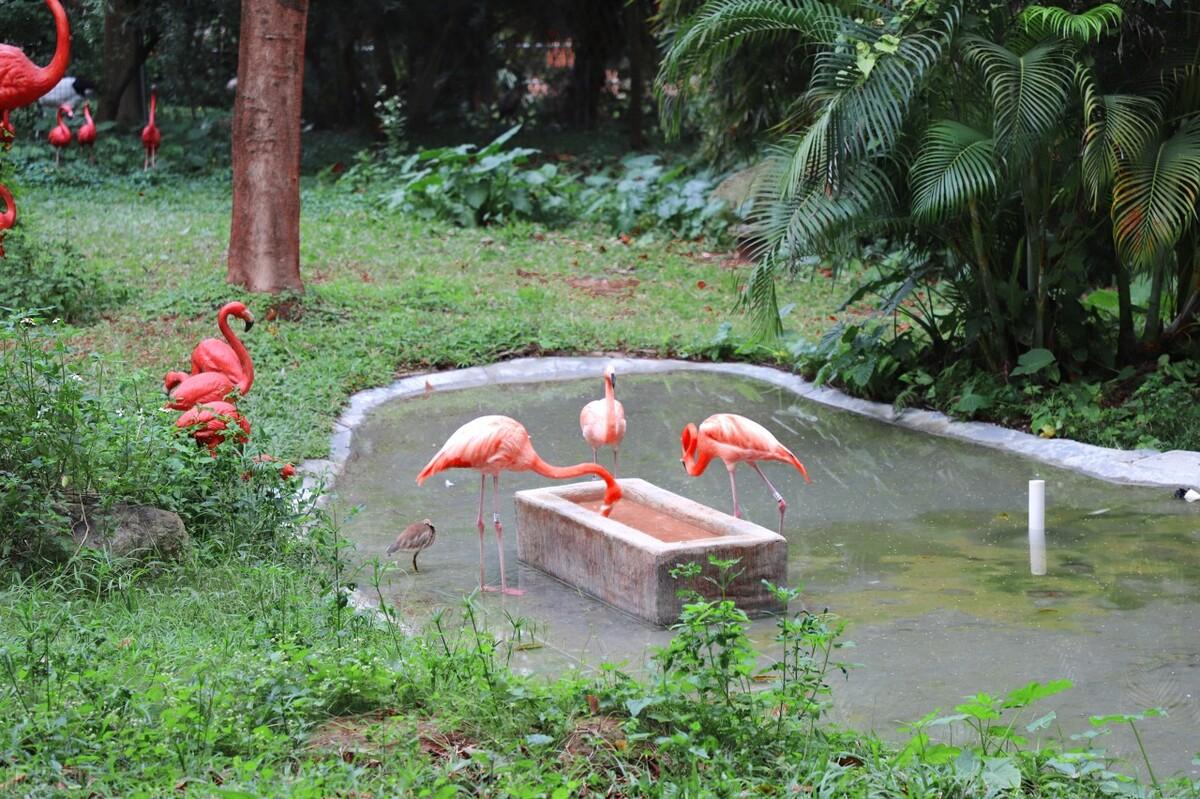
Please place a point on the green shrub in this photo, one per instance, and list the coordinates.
(73, 433)
(53, 277)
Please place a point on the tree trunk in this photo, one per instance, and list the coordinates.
(635, 25)
(264, 240)
(124, 54)
(1126, 343)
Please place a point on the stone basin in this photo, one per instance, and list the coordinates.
(626, 559)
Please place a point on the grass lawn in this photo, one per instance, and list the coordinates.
(389, 295)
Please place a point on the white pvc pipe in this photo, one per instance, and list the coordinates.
(1037, 527)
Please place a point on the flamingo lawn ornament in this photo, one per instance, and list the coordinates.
(494, 444)
(207, 424)
(230, 356)
(734, 439)
(203, 388)
(151, 137)
(21, 81)
(8, 134)
(60, 135)
(602, 422)
(87, 134)
(9, 217)
(417, 537)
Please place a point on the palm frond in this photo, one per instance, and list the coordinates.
(719, 25)
(956, 164)
(1155, 196)
(1041, 21)
(1029, 91)
(1118, 126)
(858, 105)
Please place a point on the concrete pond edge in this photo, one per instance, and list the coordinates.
(1146, 467)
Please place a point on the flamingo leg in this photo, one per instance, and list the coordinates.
(504, 589)
(415, 569)
(595, 455)
(616, 461)
(479, 526)
(774, 493)
(737, 511)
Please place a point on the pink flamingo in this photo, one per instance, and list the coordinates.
(9, 217)
(60, 135)
(207, 424)
(734, 439)
(151, 137)
(603, 421)
(87, 134)
(202, 388)
(21, 81)
(494, 444)
(232, 359)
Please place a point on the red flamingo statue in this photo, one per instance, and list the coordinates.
(207, 424)
(209, 386)
(60, 135)
(87, 134)
(21, 81)
(151, 137)
(8, 133)
(231, 359)
(9, 217)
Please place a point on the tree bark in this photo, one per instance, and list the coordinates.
(264, 239)
(124, 54)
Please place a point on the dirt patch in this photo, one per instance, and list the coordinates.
(622, 287)
(594, 734)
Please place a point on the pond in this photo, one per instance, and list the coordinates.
(918, 542)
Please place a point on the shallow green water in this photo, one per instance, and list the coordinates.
(918, 542)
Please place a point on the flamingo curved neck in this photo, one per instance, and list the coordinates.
(153, 106)
(52, 73)
(87, 114)
(610, 405)
(612, 492)
(239, 348)
(694, 465)
(9, 217)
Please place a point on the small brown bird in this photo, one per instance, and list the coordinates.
(416, 537)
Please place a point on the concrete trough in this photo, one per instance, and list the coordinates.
(625, 560)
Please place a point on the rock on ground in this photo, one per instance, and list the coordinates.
(126, 530)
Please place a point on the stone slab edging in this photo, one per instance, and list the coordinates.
(1139, 467)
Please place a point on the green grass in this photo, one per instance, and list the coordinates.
(388, 295)
(243, 672)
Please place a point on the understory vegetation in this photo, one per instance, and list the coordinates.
(1031, 172)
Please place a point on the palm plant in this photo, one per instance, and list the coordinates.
(984, 136)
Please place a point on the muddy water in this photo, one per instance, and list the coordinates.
(919, 543)
(653, 522)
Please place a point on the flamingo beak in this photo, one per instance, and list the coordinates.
(249, 322)
(613, 379)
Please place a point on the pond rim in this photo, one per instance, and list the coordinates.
(1146, 467)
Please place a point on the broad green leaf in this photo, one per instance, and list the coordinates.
(1032, 362)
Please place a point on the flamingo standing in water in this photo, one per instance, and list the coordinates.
(21, 81)
(87, 134)
(9, 217)
(603, 421)
(60, 135)
(230, 356)
(735, 439)
(494, 444)
(151, 137)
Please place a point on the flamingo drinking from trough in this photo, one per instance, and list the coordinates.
(86, 136)
(735, 439)
(151, 137)
(602, 422)
(494, 444)
(207, 423)
(9, 217)
(230, 356)
(60, 135)
(21, 81)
